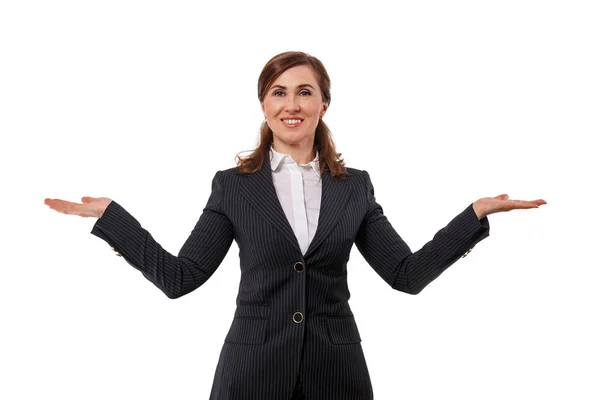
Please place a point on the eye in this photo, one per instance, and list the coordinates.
(306, 91)
(275, 93)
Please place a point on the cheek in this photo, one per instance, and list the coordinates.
(313, 108)
(271, 108)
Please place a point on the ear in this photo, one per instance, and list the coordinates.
(324, 110)
(262, 107)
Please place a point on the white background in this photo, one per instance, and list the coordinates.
(442, 102)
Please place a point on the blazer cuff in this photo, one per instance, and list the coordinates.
(470, 228)
(118, 228)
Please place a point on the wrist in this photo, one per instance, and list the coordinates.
(477, 209)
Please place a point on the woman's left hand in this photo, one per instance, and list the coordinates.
(490, 205)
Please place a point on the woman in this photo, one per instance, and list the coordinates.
(295, 212)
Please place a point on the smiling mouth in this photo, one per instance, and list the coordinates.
(292, 123)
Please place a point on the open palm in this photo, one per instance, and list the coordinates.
(90, 207)
(490, 205)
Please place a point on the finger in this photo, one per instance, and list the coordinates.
(53, 203)
(538, 202)
(519, 204)
(60, 202)
(66, 207)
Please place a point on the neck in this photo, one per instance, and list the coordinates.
(301, 153)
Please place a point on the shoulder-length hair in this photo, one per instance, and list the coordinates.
(328, 157)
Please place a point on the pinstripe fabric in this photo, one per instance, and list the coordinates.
(265, 349)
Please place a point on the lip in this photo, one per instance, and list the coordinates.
(292, 126)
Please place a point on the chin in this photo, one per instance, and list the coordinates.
(294, 138)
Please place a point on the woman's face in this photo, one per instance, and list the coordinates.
(292, 106)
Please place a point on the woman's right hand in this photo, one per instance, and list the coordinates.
(91, 207)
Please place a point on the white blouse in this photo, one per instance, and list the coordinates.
(298, 187)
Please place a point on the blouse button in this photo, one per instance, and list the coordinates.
(298, 317)
(299, 267)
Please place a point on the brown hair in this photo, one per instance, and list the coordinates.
(328, 157)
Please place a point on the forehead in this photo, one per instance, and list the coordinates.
(301, 74)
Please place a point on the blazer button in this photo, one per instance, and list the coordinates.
(298, 317)
(299, 267)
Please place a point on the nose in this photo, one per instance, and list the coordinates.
(292, 104)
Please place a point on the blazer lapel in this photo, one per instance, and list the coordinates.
(259, 190)
(335, 194)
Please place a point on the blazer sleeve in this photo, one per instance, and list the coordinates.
(392, 259)
(200, 256)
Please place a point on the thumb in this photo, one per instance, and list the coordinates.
(502, 197)
(86, 199)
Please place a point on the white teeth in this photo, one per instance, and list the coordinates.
(292, 121)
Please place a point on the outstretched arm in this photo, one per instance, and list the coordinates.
(388, 254)
(200, 256)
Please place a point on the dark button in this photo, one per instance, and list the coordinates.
(298, 317)
(299, 267)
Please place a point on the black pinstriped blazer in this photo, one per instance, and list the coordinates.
(292, 314)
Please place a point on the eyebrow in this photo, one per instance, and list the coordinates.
(299, 86)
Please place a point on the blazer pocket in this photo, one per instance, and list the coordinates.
(343, 330)
(247, 330)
